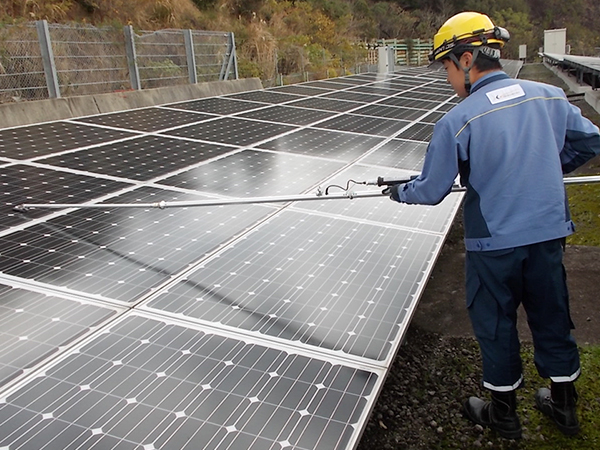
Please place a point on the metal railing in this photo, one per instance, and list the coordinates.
(409, 52)
(40, 60)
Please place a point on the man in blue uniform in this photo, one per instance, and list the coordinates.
(510, 141)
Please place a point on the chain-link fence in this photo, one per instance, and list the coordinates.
(40, 60)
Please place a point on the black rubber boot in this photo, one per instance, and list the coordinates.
(559, 403)
(500, 414)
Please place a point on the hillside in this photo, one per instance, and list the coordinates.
(321, 35)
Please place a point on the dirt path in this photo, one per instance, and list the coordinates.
(442, 308)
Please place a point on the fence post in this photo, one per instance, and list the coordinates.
(134, 73)
(48, 58)
(230, 59)
(191, 57)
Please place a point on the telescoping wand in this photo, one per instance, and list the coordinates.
(319, 195)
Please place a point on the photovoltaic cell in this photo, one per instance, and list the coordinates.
(354, 96)
(266, 96)
(423, 94)
(418, 132)
(151, 385)
(409, 103)
(339, 83)
(326, 104)
(146, 119)
(304, 89)
(44, 139)
(376, 89)
(390, 112)
(433, 117)
(143, 158)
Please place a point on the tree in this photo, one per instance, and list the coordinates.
(394, 22)
(521, 32)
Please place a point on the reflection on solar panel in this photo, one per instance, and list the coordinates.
(223, 327)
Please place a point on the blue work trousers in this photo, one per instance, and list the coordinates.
(497, 282)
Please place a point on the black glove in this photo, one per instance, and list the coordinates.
(393, 191)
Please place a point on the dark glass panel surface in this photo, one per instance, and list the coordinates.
(141, 159)
(146, 119)
(47, 138)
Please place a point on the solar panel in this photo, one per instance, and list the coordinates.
(217, 105)
(324, 143)
(365, 125)
(36, 325)
(224, 327)
(44, 139)
(121, 254)
(255, 173)
(150, 384)
(142, 158)
(287, 114)
(230, 130)
(34, 184)
(297, 278)
(146, 119)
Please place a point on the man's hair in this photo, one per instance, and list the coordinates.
(484, 63)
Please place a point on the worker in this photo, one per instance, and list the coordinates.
(510, 141)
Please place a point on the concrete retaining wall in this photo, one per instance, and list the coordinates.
(26, 113)
(591, 97)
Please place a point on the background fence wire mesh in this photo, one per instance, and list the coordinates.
(92, 60)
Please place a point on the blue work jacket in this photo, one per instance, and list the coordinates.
(511, 141)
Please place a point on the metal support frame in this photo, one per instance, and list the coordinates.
(48, 58)
(230, 60)
(191, 57)
(134, 73)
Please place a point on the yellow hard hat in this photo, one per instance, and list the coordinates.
(467, 30)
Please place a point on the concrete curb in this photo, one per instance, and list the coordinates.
(27, 113)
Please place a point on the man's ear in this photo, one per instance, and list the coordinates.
(466, 59)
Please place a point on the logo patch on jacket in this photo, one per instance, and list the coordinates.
(505, 94)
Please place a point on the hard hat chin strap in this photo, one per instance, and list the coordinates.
(467, 69)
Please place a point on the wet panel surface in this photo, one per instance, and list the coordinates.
(151, 385)
(327, 282)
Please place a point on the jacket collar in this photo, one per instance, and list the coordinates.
(489, 78)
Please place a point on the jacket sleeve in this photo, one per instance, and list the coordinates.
(582, 141)
(439, 170)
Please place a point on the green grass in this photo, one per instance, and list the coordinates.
(541, 433)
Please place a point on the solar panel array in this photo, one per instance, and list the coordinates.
(264, 326)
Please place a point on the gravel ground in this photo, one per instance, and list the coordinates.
(420, 405)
